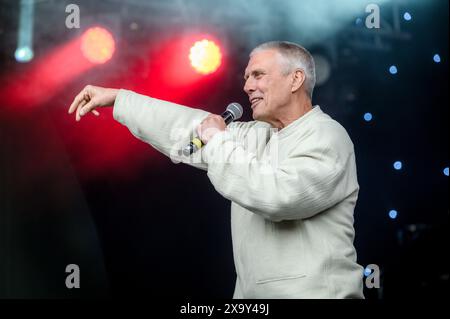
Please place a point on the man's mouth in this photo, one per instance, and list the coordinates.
(254, 101)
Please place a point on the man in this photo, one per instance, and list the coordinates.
(292, 224)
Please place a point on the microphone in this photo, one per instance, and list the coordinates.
(233, 112)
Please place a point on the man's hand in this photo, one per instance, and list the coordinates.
(90, 98)
(211, 125)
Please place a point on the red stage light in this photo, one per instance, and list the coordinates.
(205, 56)
(97, 45)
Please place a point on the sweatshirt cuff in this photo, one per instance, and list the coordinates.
(119, 108)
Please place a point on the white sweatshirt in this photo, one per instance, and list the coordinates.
(293, 194)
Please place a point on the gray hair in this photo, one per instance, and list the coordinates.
(295, 57)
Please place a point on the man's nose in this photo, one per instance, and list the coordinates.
(249, 86)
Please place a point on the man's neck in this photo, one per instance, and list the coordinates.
(294, 113)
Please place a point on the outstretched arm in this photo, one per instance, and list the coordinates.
(164, 125)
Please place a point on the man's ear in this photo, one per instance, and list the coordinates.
(298, 78)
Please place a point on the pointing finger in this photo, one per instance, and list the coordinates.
(87, 108)
(77, 114)
(76, 102)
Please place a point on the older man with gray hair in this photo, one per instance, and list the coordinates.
(292, 225)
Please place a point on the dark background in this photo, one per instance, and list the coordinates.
(89, 193)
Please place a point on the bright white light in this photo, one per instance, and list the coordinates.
(23, 54)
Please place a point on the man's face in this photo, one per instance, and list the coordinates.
(268, 89)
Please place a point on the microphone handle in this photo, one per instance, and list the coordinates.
(197, 143)
(228, 117)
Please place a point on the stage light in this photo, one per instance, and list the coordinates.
(24, 54)
(97, 45)
(445, 171)
(393, 69)
(205, 56)
(407, 16)
(323, 69)
(437, 58)
(393, 214)
(24, 51)
(368, 117)
(367, 271)
(398, 165)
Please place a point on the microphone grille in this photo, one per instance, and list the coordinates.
(235, 109)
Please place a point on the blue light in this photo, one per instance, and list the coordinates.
(368, 117)
(393, 214)
(358, 21)
(446, 171)
(24, 54)
(437, 58)
(393, 69)
(407, 16)
(398, 165)
(24, 51)
(367, 271)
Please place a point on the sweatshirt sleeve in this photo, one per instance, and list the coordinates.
(164, 125)
(311, 179)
